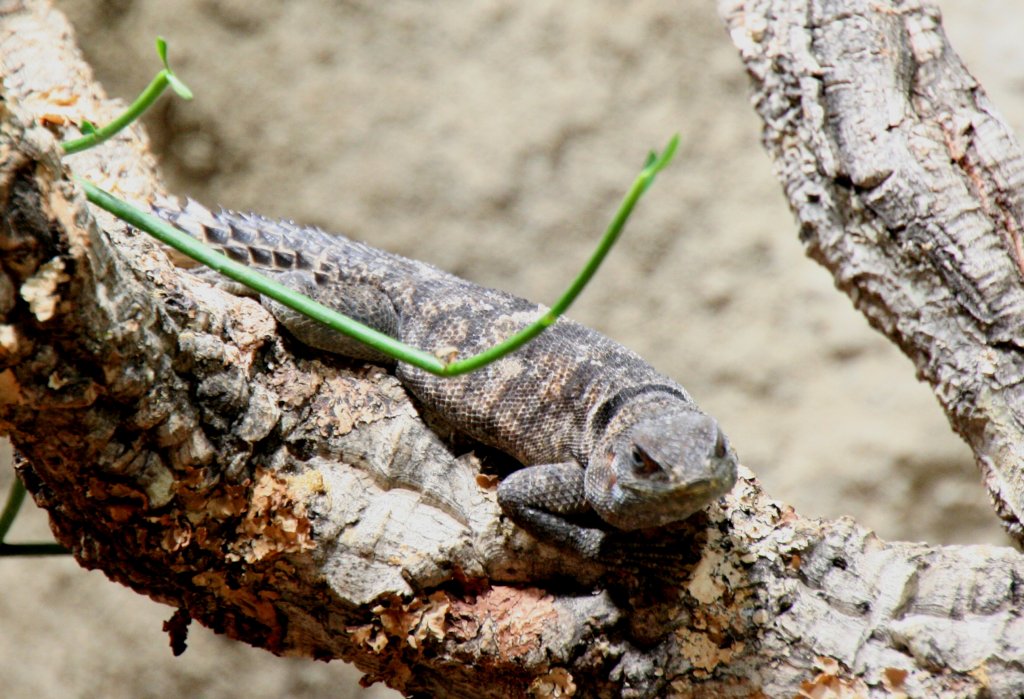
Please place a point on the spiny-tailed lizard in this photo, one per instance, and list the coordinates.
(596, 429)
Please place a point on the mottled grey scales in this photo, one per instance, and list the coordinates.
(595, 427)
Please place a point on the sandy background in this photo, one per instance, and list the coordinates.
(495, 139)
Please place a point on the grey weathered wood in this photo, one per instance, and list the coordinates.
(907, 188)
(181, 448)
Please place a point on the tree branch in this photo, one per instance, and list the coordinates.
(187, 450)
(907, 187)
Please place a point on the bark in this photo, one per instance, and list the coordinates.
(298, 503)
(907, 188)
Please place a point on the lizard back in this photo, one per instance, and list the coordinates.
(548, 401)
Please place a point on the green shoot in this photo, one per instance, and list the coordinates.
(655, 164)
(191, 247)
(15, 496)
(92, 136)
(187, 245)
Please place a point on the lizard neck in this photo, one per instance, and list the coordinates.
(626, 402)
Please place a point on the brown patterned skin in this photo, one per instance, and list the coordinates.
(594, 426)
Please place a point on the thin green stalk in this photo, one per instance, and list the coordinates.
(654, 165)
(398, 350)
(15, 497)
(37, 549)
(188, 245)
(143, 102)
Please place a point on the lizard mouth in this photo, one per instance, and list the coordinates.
(673, 504)
(710, 489)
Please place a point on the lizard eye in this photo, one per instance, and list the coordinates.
(643, 465)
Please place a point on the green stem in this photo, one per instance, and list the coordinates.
(140, 105)
(186, 244)
(15, 497)
(35, 549)
(164, 79)
(654, 165)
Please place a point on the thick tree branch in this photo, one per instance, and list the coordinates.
(907, 187)
(298, 503)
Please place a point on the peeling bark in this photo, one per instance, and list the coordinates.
(908, 188)
(299, 504)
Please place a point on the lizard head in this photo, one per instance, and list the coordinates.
(661, 468)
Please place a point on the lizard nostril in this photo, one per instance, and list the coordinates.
(721, 445)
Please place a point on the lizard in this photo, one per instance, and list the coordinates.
(595, 428)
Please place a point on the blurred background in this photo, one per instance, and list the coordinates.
(495, 140)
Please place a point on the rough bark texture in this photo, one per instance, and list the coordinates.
(181, 447)
(907, 187)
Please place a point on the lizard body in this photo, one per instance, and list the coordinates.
(595, 427)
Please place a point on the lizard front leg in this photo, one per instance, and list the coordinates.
(548, 500)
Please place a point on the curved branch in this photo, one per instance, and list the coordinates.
(908, 189)
(299, 503)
